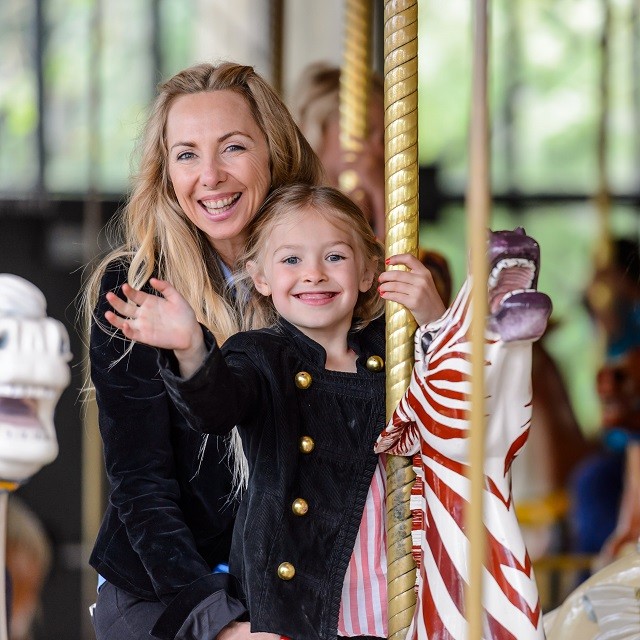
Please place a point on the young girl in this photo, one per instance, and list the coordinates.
(307, 395)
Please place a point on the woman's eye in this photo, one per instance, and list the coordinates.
(186, 155)
(234, 147)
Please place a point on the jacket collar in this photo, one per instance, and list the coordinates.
(315, 351)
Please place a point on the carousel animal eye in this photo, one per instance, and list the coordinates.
(426, 340)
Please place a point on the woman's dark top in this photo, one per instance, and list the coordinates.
(251, 382)
(169, 519)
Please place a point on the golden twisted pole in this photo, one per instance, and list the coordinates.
(401, 176)
(355, 79)
(478, 208)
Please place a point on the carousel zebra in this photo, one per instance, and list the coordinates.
(431, 424)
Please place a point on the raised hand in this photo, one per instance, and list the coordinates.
(414, 288)
(165, 321)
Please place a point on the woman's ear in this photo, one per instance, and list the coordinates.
(259, 280)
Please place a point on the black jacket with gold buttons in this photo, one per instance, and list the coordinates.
(309, 442)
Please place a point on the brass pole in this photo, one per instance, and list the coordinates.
(401, 177)
(355, 80)
(603, 196)
(276, 19)
(478, 211)
(92, 461)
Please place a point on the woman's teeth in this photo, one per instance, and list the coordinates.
(215, 206)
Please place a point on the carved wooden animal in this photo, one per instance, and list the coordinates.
(431, 424)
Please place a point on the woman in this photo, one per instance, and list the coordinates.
(218, 140)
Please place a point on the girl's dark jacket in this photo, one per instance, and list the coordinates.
(168, 521)
(251, 383)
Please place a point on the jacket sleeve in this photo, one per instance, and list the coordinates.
(135, 420)
(228, 385)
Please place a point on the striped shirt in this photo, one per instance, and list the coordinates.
(363, 608)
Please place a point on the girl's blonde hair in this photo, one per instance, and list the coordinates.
(154, 234)
(282, 206)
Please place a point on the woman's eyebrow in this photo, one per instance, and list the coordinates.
(222, 138)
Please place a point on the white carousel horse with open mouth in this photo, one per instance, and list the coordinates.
(34, 371)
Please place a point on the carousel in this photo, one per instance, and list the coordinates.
(469, 557)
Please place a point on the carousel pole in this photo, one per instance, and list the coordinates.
(478, 210)
(92, 495)
(401, 177)
(276, 20)
(603, 196)
(355, 81)
(600, 294)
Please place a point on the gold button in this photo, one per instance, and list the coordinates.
(306, 444)
(375, 363)
(286, 571)
(300, 506)
(303, 380)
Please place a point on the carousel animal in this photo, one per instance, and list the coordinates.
(431, 423)
(606, 606)
(34, 371)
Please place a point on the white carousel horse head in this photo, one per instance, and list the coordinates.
(34, 371)
(432, 424)
(604, 607)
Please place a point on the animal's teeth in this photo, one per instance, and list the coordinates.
(507, 263)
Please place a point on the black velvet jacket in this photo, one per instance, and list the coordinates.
(251, 382)
(168, 521)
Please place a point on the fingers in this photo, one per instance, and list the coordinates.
(120, 323)
(408, 260)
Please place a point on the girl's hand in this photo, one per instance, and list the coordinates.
(165, 321)
(413, 289)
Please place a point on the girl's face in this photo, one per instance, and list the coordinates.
(219, 165)
(314, 271)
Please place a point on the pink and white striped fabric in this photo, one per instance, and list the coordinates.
(363, 608)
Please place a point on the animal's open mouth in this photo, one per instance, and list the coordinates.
(510, 276)
(19, 412)
(517, 310)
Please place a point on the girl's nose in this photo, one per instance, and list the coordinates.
(314, 274)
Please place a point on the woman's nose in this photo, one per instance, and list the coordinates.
(213, 173)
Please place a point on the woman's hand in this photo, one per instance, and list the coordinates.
(166, 322)
(414, 288)
(242, 631)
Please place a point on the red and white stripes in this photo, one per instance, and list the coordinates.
(431, 424)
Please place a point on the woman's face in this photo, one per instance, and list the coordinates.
(219, 165)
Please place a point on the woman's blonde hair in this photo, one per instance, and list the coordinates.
(283, 205)
(156, 237)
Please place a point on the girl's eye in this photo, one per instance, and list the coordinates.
(291, 260)
(335, 257)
